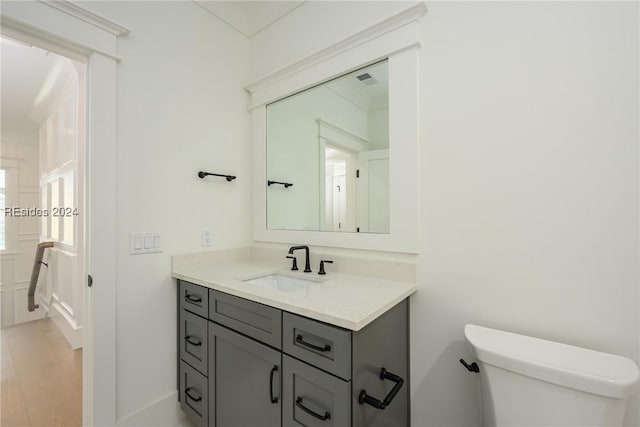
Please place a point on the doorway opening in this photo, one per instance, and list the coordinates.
(42, 164)
(339, 190)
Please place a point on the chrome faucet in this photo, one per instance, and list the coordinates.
(307, 266)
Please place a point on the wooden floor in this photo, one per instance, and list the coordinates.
(41, 377)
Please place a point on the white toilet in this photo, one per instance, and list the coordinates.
(532, 382)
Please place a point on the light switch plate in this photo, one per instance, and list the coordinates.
(145, 243)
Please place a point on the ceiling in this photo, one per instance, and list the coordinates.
(372, 96)
(249, 17)
(29, 76)
(23, 69)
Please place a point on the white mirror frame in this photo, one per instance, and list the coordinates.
(396, 38)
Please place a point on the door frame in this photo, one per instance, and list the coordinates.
(81, 35)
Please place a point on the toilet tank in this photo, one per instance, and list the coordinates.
(535, 382)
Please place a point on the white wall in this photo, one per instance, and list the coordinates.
(181, 109)
(530, 183)
(529, 177)
(19, 157)
(311, 28)
(378, 121)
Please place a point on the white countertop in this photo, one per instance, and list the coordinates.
(341, 299)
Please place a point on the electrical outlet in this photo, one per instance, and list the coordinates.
(206, 238)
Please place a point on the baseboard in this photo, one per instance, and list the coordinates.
(67, 326)
(163, 412)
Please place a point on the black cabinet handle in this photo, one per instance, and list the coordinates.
(190, 396)
(370, 400)
(271, 375)
(324, 417)
(193, 298)
(190, 340)
(326, 347)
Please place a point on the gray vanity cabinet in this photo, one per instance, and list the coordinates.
(245, 364)
(245, 381)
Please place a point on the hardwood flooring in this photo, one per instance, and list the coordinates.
(41, 377)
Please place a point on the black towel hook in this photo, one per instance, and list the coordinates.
(473, 367)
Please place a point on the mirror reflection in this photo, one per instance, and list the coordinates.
(328, 156)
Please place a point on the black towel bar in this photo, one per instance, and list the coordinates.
(229, 178)
(286, 184)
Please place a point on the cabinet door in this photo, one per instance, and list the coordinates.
(244, 381)
(313, 398)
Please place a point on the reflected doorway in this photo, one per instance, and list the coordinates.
(42, 142)
(339, 190)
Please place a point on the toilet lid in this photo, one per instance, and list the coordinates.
(570, 366)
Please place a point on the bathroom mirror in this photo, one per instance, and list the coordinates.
(327, 155)
(309, 146)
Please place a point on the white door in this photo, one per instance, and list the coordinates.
(339, 203)
(373, 191)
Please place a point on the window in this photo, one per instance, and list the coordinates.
(3, 234)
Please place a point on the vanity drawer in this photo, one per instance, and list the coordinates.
(319, 344)
(193, 341)
(193, 395)
(194, 298)
(250, 318)
(312, 397)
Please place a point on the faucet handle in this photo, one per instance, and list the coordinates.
(322, 266)
(294, 267)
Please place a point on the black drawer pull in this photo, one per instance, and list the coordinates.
(299, 340)
(324, 417)
(193, 298)
(190, 396)
(370, 400)
(190, 339)
(271, 375)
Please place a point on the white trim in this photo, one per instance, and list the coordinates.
(163, 412)
(398, 40)
(10, 162)
(87, 16)
(28, 189)
(9, 255)
(402, 25)
(66, 324)
(67, 308)
(340, 137)
(35, 36)
(99, 318)
(28, 237)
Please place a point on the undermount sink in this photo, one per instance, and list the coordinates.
(282, 282)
